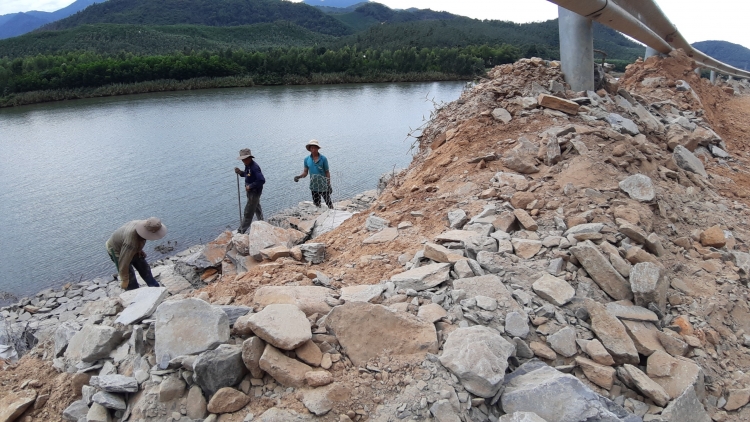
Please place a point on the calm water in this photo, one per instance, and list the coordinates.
(73, 172)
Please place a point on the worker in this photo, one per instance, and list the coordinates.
(316, 164)
(125, 248)
(254, 182)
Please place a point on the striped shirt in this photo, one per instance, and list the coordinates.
(124, 244)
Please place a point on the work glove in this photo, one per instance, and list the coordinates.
(237, 170)
(296, 178)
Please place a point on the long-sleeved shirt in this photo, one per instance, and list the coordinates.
(124, 244)
(254, 179)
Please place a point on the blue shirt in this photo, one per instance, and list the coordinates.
(317, 170)
(253, 177)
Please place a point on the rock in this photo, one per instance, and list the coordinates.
(675, 375)
(423, 278)
(284, 326)
(564, 342)
(218, 368)
(632, 231)
(554, 290)
(685, 408)
(601, 375)
(276, 252)
(144, 304)
(542, 350)
(188, 326)
(479, 244)
(110, 401)
(654, 245)
(287, 371)
(523, 164)
(622, 125)
(553, 396)
(431, 312)
(557, 103)
(314, 252)
(585, 228)
(63, 334)
(263, 235)
(645, 385)
(517, 324)
(275, 414)
(737, 398)
(713, 237)
(521, 417)
(97, 413)
(492, 262)
(478, 356)
(626, 310)
(365, 331)
(687, 161)
(318, 378)
(252, 350)
(443, 411)
(439, 253)
(525, 220)
(457, 218)
(488, 285)
(597, 352)
(452, 236)
(502, 115)
(309, 299)
(92, 343)
(13, 404)
(600, 269)
(375, 223)
(611, 332)
(328, 221)
(383, 236)
(77, 410)
(639, 187)
(649, 285)
(526, 248)
(235, 312)
(196, 404)
(644, 336)
(227, 400)
(115, 383)
(672, 343)
(309, 353)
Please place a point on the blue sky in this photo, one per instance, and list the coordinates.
(716, 20)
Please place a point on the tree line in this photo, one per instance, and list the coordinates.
(75, 70)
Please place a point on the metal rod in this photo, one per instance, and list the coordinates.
(239, 199)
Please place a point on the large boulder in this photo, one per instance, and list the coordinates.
(287, 371)
(309, 299)
(222, 367)
(478, 356)
(144, 304)
(365, 331)
(263, 235)
(92, 343)
(555, 396)
(423, 278)
(329, 220)
(186, 327)
(63, 334)
(602, 271)
(283, 326)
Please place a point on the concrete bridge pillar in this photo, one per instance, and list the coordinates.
(577, 50)
(713, 77)
(650, 52)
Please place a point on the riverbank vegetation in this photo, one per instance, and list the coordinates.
(130, 46)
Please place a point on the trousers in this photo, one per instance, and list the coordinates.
(251, 208)
(326, 197)
(141, 265)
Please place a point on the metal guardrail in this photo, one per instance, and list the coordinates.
(644, 21)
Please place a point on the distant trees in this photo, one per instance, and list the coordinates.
(83, 69)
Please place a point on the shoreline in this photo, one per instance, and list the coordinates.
(246, 81)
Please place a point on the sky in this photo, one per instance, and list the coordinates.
(724, 20)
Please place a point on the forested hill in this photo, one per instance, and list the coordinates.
(727, 52)
(204, 12)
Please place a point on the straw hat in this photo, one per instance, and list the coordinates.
(245, 153)
(312, 143)
(151, 229)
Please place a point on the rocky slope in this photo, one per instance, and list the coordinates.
(548, 256)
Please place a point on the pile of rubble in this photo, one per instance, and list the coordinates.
(548, 256)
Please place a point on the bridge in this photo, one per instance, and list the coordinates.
(642, 20)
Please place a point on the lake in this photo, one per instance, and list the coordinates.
(73, 172)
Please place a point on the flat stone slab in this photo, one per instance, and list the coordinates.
(423, 278)
(456, 236)
(491, 286)
(626, 310)
(365, 331)
(584, 229)
(309, 299)
(384, 236)
(115, 383)
(144, 304)
(602, 271)
(612, 334)
(284, 326)
(553, 289)
(687, 161)
(188, 326)
(13, 404)
(364, 293)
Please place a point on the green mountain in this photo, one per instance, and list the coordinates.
(727, 52)
(14, 24)
(203, 12)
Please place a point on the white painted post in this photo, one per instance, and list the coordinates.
(576, 50)
(650, 52)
